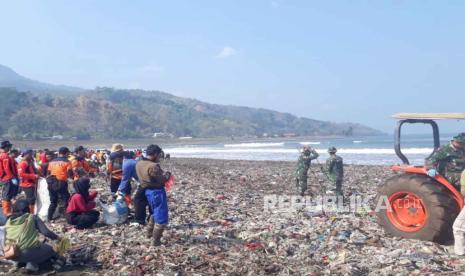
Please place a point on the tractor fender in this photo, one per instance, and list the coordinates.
(439, 178)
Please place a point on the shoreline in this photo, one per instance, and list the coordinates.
(143, 142)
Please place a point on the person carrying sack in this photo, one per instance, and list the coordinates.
(21, 240)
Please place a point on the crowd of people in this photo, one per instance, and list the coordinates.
(65, 171)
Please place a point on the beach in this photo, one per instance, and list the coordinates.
(219, 224)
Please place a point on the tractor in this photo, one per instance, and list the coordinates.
(420, 207)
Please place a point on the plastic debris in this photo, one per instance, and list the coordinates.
(218, 225)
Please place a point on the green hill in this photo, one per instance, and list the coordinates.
(116, 113)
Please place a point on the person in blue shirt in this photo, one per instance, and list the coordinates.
(129, 172)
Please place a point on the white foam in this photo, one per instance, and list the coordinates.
(357, 142)
(232, 150)
(253, 145)
(385, 151)
(309, 143)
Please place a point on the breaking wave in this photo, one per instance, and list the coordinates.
(256, 149)
(253, 145)
(309, 143)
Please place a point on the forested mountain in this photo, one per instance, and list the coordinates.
(11, 79)
(117, 113)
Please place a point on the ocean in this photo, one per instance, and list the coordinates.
(373, 150)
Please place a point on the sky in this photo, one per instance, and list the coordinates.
(357, 61)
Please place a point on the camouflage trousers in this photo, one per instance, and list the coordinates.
(337, 181)
(458, 180)
(301, 184)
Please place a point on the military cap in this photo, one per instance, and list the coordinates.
(460, 138)
(332, 150)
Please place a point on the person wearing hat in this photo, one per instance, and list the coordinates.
(28, 175)
(115, 167)
(303, 165)
(59, 170)
(449, 161)
(8, 175)
(335, 167)
(80, 165)
(152, 183)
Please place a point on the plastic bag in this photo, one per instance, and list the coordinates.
(43, 199)
(115, 213)
(2, 239)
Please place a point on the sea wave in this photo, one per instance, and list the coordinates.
(232, 150)
(309, 143)
(253, 145)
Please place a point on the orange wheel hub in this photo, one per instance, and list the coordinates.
(407, 212)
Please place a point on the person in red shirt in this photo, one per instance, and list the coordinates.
(28, 175)
(80, 211)
(44, 157)
(8, 175)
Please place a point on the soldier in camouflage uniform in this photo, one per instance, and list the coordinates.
(449, 160)
(335, 167)
(303, 165)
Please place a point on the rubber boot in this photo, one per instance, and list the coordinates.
(150, 227)
(157, 234)
(31, 209)
(6, 206)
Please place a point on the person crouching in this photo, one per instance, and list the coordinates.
(152, 180)
(80, 211)
(24, 228)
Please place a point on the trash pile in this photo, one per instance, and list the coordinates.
(218, 225)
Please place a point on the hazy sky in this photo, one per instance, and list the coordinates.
(355, 61)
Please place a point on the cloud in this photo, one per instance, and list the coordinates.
(226, 52)
(274, 4)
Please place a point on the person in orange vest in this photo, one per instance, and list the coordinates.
(8, 175)
(80, 165)
(115, 167)
(28, 176)
(59, 172)
(44, 166)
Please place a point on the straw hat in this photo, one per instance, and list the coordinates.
(116, 147)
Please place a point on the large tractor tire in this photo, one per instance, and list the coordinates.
(421, 208)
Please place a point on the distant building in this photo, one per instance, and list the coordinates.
(58, 137)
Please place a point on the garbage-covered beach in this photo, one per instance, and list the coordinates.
(219, 226)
